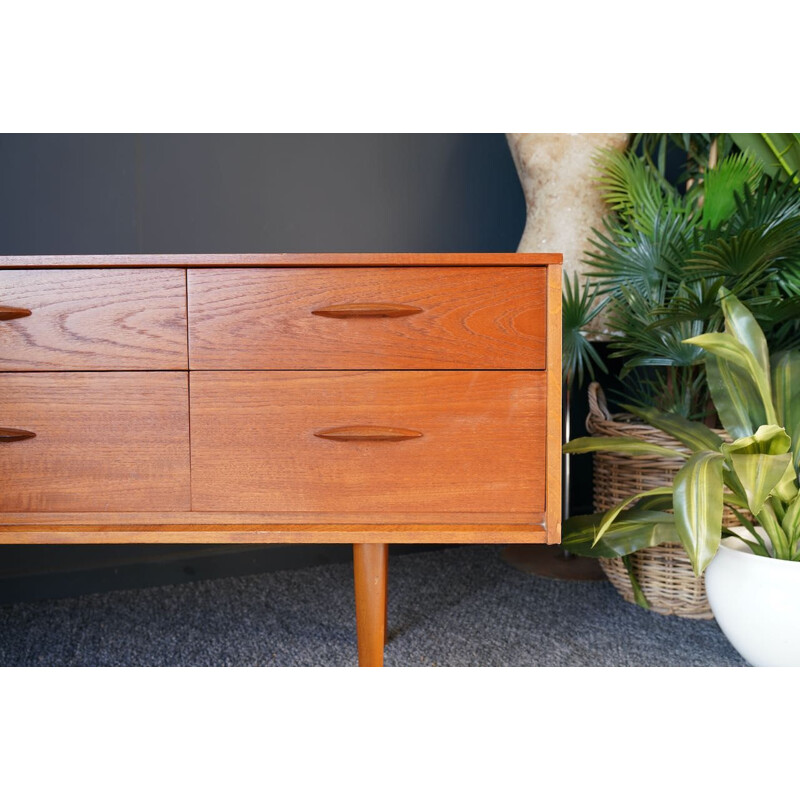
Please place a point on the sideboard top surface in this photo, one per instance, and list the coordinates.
(285, 260)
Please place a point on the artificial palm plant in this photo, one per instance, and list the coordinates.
(667, 250)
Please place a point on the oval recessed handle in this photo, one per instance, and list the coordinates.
(345, 310)
(7, 312)
(367, 433)
(15, 435)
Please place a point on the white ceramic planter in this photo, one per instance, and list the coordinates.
(756, 602)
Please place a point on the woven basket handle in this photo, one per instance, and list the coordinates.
(598, 409)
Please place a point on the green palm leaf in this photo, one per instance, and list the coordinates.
(771, 202)
(578, 310)
(635, 192)
(747, 259)
(637, 260)
(724, 183)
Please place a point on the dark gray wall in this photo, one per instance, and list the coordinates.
(195, 193)
(80, 194)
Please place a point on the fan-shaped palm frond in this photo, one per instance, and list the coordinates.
(579, 308)
(745, 259)
(681, 392)
(693, 302)
(638, 194)
(698, 151)
(722, 184)
(770, 202)
(636, 259)
(645, 342)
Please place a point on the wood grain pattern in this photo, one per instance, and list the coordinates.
(187, 533)
(555, 384)
(253, 443)
(370, 570)
(282, 259)
(104, 442)
(473, 318)
(123, 319)
(275, 519)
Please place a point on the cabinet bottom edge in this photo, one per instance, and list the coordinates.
(490, 533)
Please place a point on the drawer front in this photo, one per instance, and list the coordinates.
(104, 442)
(125, 319)
(367, 318)
(368, 442)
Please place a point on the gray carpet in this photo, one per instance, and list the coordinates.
(460, 606)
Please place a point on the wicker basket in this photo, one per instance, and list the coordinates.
(664, 572)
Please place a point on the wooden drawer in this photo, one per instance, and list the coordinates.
(124, 319)
(476, 442)
(367, 318)
(104, 442)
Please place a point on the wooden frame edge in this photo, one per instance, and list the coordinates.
(282, 259)
(273, 534)
(553, 498)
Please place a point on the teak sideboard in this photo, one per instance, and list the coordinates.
(360, 398)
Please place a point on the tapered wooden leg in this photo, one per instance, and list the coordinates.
(370, 568)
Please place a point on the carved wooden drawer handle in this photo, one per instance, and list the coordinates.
(7, 312)
(367, 433)
(15, 435)
(367, 310)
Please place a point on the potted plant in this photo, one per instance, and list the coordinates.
(753, 569)
(665, 251)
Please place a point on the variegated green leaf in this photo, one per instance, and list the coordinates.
(619, 444)
(632, 531)
(694, 435)
(660, 503)
(638, 594)
(767, 440)
(756, 544)
(697, 492)
(725, 346)
(612, 513)
(744, 519)
(742, 325)
(786, 490)
(791, 520)
(759, 475)
(768, 519)
(786, 387)
(786, 394)
(735, 397)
